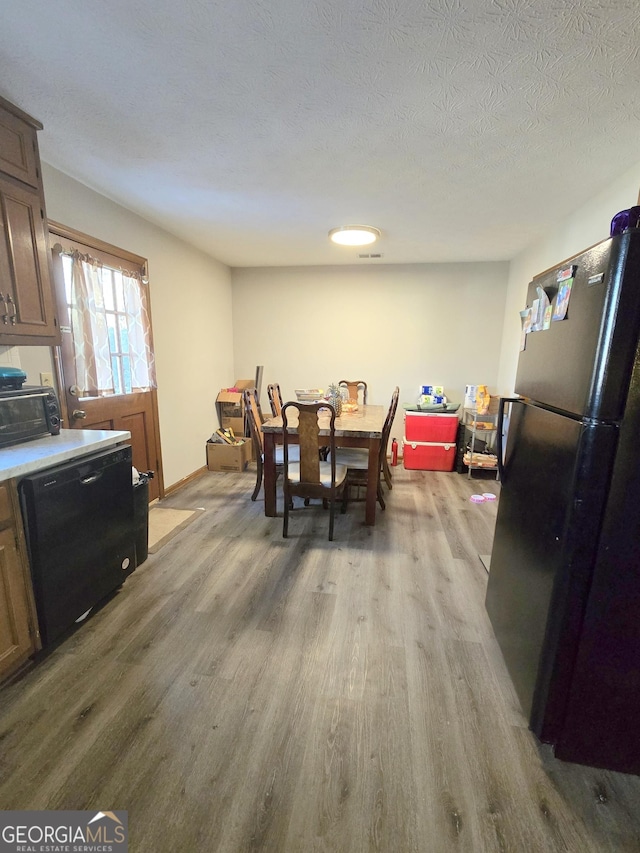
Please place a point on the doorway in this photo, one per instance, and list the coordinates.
(105, 364)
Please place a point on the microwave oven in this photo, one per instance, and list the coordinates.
(27, 413)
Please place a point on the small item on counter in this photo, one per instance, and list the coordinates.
(335, 398)
(309, 395)
(477, 499)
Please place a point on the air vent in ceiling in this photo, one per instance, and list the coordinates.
(373, 255)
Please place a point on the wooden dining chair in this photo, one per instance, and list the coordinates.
(357, 458)
(386, 433)
(309, 477)
(255, 421)
(354, 387)
(275, 399)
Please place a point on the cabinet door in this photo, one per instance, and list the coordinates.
(15, 637)
(26, 306)
(18, 149)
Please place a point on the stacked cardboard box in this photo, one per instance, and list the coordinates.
(231, 407)
(228, 457)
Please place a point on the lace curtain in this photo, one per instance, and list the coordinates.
(110, 324)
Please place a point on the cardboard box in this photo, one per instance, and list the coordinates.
(228, 457)
(236, 424)
(230, 406)
(424, 426)
(428, 456)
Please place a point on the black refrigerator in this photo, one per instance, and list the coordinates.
(563, 593)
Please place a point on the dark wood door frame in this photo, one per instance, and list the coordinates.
(131, 412)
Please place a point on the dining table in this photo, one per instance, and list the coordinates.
(361, 428)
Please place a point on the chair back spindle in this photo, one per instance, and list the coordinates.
(275, 399)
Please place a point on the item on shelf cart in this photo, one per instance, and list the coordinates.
(470, 392)
(480, 460)
(477, 445)
(483, 400)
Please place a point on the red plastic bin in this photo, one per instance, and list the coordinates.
(428, 455)
(430, 427)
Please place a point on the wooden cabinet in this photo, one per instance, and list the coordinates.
(19, 635)
(27, 313)
(18, 145)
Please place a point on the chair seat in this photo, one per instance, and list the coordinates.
(325, 473)
(294, 453)
(353, 457)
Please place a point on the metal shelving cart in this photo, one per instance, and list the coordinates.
(482, 428)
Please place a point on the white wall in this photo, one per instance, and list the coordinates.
(588, 225)
(191, 315)
(390, 325)
(450, 324)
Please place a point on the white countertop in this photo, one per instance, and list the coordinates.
(22, 459)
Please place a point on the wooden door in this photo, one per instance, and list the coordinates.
(136, 412)
(132, 412)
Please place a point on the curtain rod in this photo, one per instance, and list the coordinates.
(143, 276)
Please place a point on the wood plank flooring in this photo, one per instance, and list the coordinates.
(243, 692)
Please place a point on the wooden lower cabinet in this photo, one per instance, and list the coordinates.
(19, 635)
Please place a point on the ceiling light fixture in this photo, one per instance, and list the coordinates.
(354, 235)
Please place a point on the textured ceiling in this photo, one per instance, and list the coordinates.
(463, 129)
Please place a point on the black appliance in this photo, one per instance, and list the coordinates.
(78, 520)
(563, 593)
(29, 412)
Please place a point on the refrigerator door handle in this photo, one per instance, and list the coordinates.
(503, 402)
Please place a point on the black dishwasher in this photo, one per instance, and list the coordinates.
(78, 520)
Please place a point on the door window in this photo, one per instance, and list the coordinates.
(107, 310)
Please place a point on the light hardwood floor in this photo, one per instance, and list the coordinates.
(248, 693)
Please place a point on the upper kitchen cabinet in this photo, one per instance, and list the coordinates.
(27, 314)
